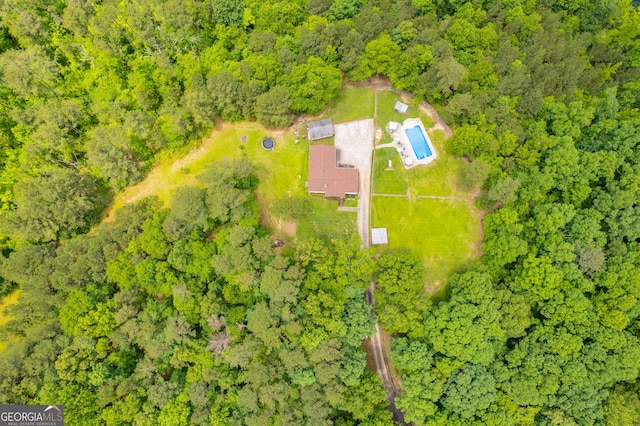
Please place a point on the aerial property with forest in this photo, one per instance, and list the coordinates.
(170, 254)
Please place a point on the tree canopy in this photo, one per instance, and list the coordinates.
(187, 314)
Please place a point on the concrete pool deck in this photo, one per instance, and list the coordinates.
(402, 144)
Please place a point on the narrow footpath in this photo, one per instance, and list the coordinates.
(381, 362)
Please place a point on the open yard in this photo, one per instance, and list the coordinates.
(437, 178)
(443, 233)
(323, 220)
(282, 173)
(351, 104)
(278, 170)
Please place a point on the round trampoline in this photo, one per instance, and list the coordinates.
(268, 144)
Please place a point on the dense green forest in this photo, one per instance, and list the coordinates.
(187, 314)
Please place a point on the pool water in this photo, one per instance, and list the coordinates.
(418, 142)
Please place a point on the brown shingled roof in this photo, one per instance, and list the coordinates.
(325, 177)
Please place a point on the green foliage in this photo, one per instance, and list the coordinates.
(188, 212)
(471, 310)
(469, 390)
(473, 174)
(400, 300)
(313, 85)
(53, 205)
(344, 9)
(109, 153)
(74, 315)
(193, 314)
(227, 12)
(622, 407)
(383, 56)
(273, 108)
(188, 315)
(422, 388)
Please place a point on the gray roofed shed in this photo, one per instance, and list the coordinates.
(401, 107)
(320, 129)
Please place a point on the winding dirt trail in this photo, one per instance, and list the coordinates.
(378, 351)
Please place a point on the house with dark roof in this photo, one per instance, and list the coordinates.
(320, 129)
(325, 177)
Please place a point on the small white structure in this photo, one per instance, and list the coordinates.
(400, 107)
(392, 126)
(379, 236)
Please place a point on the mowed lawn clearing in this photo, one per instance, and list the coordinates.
(443, 233)
(351, 104)
(323, 220)
(278, 170)
(437, 178)
(5, 302)
(282, 173)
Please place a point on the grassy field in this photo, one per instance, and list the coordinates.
(437, 178)
(278, 170)
(324, 221)
(351, 104)
(282, 173)
(4, 303)
(443, 233)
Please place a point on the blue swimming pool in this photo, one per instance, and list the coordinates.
(418, 142)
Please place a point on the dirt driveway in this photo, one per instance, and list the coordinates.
(354, 142)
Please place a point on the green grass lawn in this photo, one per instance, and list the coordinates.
(278, 170)
(437, 178)
(282, 173)
(352, 103)
(387, 181)
(443, 233)
(4, 318)
(351, 202)
(324, 221)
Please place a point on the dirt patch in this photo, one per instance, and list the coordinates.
(289, 228)
(265, 217)
(439, 124)
(432, 288)
(385, 341)
(370, 360)
(377, 82)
